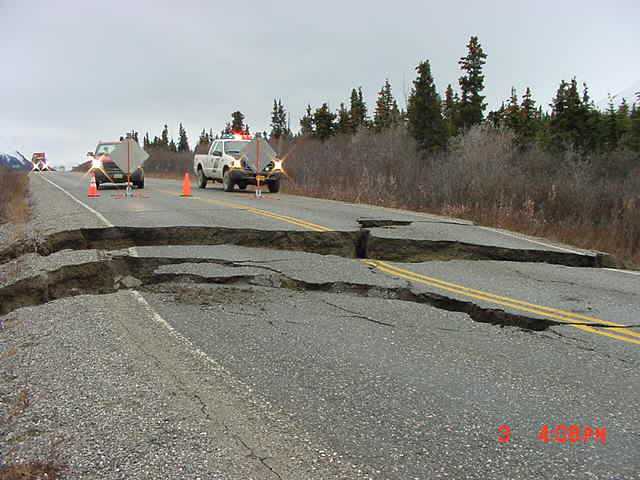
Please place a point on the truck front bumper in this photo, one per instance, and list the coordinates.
(249, 178)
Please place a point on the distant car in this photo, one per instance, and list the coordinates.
(106, 170)
(39, 161)
(224, 163)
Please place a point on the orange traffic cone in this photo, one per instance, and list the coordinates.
(93, 189)
(186, 185)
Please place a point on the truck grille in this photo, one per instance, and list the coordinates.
(113, 171)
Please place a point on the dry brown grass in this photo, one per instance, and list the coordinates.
(167, 175)
(591, 202)
(165, 164)
(43, 470)
(14, 202)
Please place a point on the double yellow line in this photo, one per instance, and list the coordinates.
(582, 322)
(257, 211)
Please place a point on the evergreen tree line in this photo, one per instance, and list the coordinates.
(573, 122)
(429, 119)
(164, 143)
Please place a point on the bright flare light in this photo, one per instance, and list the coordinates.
(277, 165)
(97, 164)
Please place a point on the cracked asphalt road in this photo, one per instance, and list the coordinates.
(288, 364)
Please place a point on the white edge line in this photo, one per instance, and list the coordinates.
(527, 239)
(173, 332)
(134, 253)
(629, 272)
(132, 250)
(95, 212)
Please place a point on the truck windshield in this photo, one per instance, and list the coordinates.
(234, 146)
(106, 148)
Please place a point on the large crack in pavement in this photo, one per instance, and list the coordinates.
(113, 272)
(350, 244)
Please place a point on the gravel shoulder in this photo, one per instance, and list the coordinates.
(104, 386)
(118, 395)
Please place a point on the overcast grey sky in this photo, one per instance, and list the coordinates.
(74, 72)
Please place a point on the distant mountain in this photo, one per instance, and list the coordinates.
(15, 161)
(629, 93)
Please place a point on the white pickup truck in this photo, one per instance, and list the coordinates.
(231, 160)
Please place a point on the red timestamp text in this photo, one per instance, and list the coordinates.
(571, 434)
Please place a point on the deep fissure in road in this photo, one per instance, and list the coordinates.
(361, 243)
(116, 272)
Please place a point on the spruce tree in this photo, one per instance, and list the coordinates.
(172, 146)
(611, 132)
(357, 109)
(624, 118)
(386, 113)
(306, 122)
(284, 121)
(424, 112)
(164, 137)
(472, 104)
(146, 142)
(632, 140)
(343, 123)
(204, 137)
(450, 111)
(496, 118)
(323, 121)
(530, 119)
(183, 141)
(574, 121)
(237, 121)
(279, 127)
(512, 117)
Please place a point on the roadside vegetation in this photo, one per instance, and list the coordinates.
(14, 202)
(569, 173)
(485, 177)
(567, 170)
(50, 468)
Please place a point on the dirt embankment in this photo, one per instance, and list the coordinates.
(14, 204)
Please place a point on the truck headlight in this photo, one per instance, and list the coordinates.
(96, 163)
(277, 165)
(236, 164)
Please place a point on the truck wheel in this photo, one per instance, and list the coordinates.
(97, 185)
(274, 186)
(140, 182)
(242, 186)
(202, 180)
(227, 183)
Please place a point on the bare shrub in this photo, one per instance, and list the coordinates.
(591, 202)
(14, 202)
(32, 471)
(163, 163)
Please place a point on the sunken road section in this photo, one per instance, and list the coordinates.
(110, 269)
(112, 273)
(350, 244)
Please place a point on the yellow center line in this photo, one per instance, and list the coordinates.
(257, 211)
(560, 315)
(579, 321)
